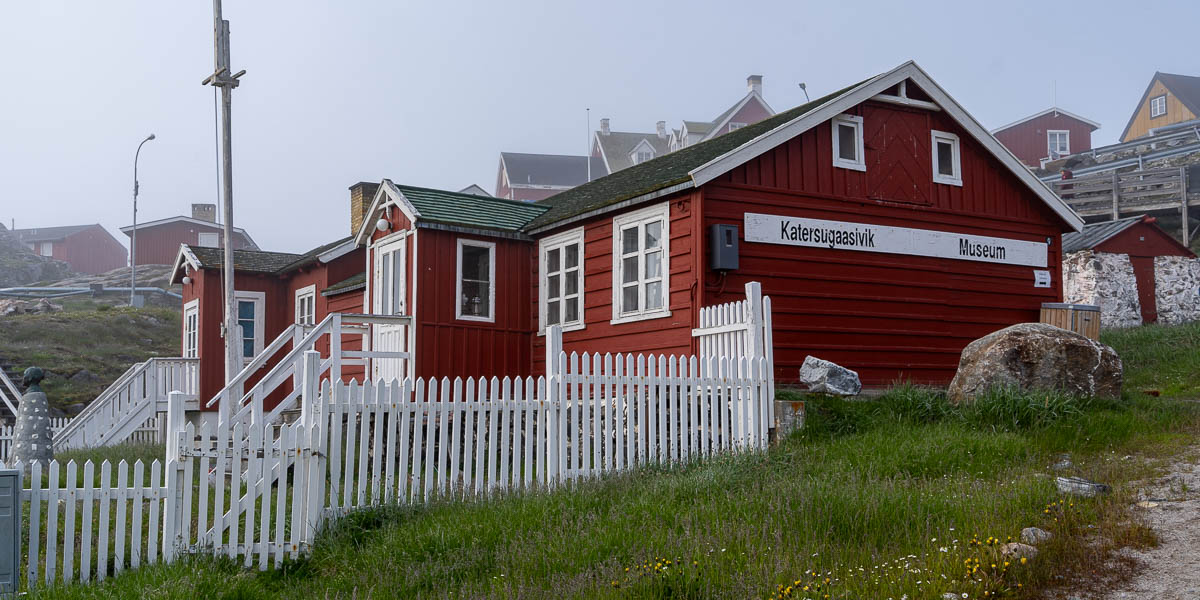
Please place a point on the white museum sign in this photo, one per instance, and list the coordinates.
(863, 237)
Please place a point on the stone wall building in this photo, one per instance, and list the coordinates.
(1134, 271)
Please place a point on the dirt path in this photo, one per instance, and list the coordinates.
(1171, 506)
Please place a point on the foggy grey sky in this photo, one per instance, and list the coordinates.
(430, 93)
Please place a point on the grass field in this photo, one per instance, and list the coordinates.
(901, 496)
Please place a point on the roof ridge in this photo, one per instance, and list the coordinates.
(471, 196)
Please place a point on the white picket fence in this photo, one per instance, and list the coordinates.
(260, 492)
(6, 434)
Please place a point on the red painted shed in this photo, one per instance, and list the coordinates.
(158, 241)
(88, 249)
(1142, 240)
(1047, 135)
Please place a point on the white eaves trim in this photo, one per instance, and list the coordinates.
(387, 195)
(184, 257)
(1052, 109)
(863, 92)
(337, 251)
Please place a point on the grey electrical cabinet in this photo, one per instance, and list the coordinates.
(723, 247)
(10, 531)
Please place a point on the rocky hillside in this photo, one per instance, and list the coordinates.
(84, 349)
(20, 266)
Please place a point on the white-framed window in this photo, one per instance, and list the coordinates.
(306, 305)
(388, 281)
(1158, 106)
(191, 329)
(47, 249)
(848, 142)
(1058, 143)
(947, 163)
(475, 281)
(736, 126)
(560, 290)
(641, 264)
(250, 318)
(208, 239)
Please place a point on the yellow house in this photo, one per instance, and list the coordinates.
(1169, 99)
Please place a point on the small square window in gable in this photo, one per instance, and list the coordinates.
(898, 165)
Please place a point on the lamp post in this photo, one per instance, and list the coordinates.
(133, 237)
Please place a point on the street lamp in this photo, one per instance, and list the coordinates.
(133, 238)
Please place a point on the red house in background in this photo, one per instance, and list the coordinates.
(1139, 237)
(1048, 135)
(88, 249)
(158, 241)
(889, 228)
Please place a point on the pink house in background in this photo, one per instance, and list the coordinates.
(534, 177)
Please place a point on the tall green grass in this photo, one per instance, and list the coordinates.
(1159, 358)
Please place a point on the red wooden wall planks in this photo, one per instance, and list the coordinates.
(887, 316)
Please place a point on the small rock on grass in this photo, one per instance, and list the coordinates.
(1035, 535)
(1079, 486)
(1018, 550)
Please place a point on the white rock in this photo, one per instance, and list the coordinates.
(1035, 535)
(1018, 551)
(826, 377)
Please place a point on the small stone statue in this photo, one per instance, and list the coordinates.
(31, 436)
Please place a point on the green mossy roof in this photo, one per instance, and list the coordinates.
(470, 210)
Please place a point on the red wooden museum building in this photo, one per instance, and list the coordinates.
(887, 225)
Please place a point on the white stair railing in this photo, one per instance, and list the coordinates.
(125, 406)
(244, 406)
(9, 393)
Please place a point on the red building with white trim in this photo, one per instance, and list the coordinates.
(889, 228)
(88, 249)
(158, 241)
(1047, 135)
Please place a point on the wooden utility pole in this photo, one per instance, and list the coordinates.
(221, 78)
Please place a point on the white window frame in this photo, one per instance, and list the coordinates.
(397, 246)
(855, 121)
(642, 147)
(560, 241)
(640, 218)
(47, 249)
(1050, 150)
(1154, 102)
(309, 293)
(191, 329)
(260, 300)
(491, 246)
(734, 126)
(936, 136)
(215, 237)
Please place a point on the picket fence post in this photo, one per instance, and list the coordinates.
(173, 507)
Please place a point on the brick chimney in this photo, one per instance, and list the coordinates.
(604, 126)
(754, 84)
(361, 195)
(205, 212)
(661, 127)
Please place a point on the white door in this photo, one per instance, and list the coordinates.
(388, 297)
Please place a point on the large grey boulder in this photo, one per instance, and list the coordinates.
(1037, 356)
(822, 376)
